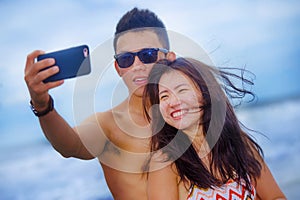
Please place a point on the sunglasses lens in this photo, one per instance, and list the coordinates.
(148, 55)
(125, 60)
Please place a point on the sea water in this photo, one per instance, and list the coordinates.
(31, 169)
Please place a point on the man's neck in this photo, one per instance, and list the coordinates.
(135, 104)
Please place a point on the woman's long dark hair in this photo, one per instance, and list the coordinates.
(233, 154)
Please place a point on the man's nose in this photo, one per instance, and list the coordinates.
(138, 64)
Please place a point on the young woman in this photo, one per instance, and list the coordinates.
(199, 149)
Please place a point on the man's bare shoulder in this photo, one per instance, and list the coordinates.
(99, 117)
(106, 119)
(95, 132)
(102, 119)
(109, 117)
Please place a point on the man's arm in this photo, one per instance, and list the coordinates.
(62, 137)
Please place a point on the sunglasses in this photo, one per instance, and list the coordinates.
(146, 56)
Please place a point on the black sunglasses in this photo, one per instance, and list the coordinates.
(147, 55)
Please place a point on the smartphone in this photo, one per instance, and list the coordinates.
(72, 62)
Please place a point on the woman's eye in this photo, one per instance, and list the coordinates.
(183, 90)
(164, 97)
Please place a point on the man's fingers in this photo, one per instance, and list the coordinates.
(31, 57)
(32, 67)
(43, 64)
(54, 84)
(42, 75)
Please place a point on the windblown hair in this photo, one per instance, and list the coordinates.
(141, 20)
(233, 153)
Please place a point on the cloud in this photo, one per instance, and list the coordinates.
(36, 25)
(239, 31)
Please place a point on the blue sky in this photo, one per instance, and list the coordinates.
(261, 35)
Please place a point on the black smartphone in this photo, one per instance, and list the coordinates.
(72, 62)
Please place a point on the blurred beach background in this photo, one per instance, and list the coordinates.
(262, 36)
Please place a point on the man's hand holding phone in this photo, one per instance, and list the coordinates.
(35, 74)
(51, 69)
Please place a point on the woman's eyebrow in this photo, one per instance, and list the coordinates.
(181, 85)
(164, 91)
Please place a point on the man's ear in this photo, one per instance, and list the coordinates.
(117, 68)
(171, 56)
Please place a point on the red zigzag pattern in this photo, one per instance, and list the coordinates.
(229, 191)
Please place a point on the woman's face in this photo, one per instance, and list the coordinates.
(180, 101)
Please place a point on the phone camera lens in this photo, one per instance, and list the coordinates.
(85, 52)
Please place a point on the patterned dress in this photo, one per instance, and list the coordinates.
(232, 190)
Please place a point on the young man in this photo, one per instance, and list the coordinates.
(119, 137)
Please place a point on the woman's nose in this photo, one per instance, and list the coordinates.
(174, 101)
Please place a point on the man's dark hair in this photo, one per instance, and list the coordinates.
(140, 20)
